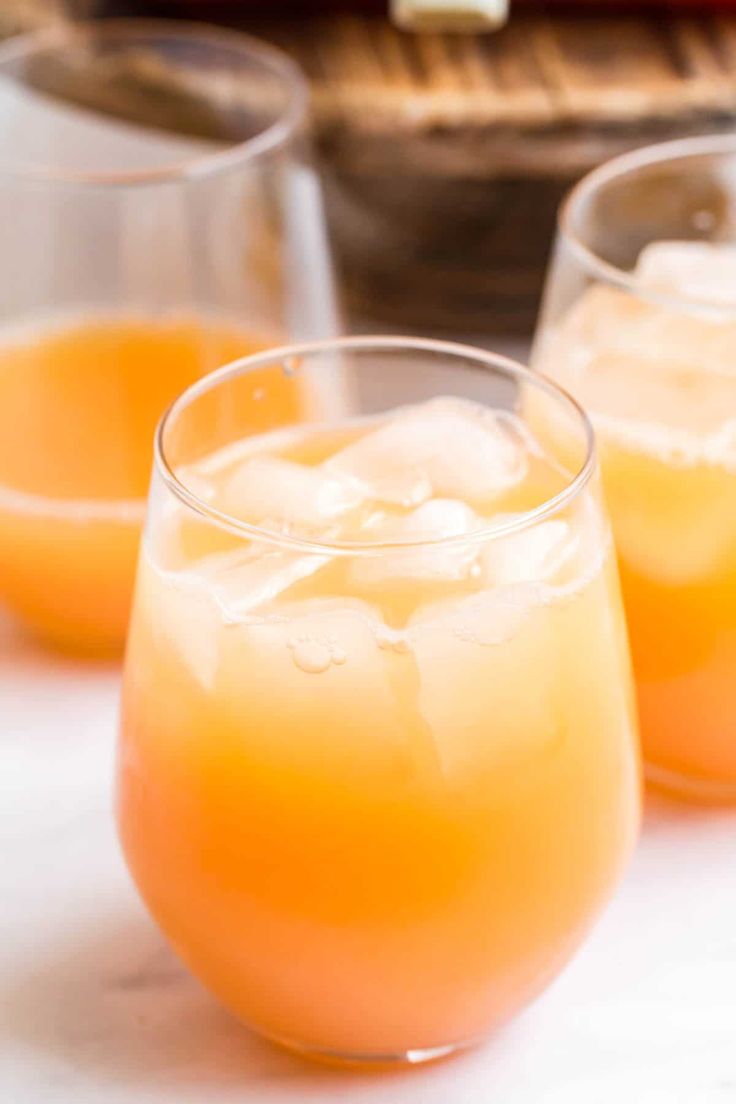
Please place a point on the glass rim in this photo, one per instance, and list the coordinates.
(389, 343)
(625, 164)
(236, 153)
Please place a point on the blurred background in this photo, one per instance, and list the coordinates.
(444, 153)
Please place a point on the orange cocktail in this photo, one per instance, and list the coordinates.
(147, 239)
(79, 402)
(660, 385)
(639, 323)
(378, 768)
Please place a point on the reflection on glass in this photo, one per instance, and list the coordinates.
(158, 218)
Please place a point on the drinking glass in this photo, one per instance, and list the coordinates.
(378, 769)
(639, 322)
(158, 217)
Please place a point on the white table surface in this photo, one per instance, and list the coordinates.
(95, 1010)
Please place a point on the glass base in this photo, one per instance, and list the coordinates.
(703, 791)
(415, 1057)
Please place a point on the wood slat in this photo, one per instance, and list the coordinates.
(609, 70)
(575, 89)
(537, 72)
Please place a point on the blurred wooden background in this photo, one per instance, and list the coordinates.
(444, 157)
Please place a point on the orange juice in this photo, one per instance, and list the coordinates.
(661, 388)
(79, 401)
(375, 798)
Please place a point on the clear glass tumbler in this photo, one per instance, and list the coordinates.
(158, 218)
(639, 322)
(378, 770)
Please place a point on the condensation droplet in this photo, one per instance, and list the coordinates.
(311, 656)
(259, 393)
(291, 365)
(316, 656)
(387, 642)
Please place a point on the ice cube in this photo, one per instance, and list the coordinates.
(194, 607)
(437, 519)
(291, 495)
(696, 270)
(670, 408)
(536, 554)
(487, 617)
(607, 324)
(679, 528)
(197, 483)
(242, 588)
(318, 668)
(635, 363)
(475, 657)
(183, 618)
(434, 520)
(446, 447)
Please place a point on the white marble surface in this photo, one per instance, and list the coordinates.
(95, 1010)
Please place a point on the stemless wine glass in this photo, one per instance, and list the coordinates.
(159, 217)
(639, 323)
(378, 769)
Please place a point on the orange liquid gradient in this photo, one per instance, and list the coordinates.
(365, 847)
(682, 627)
(661, 388)
(78, 406)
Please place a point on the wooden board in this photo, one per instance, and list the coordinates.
(444, 157)
(461, 105)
